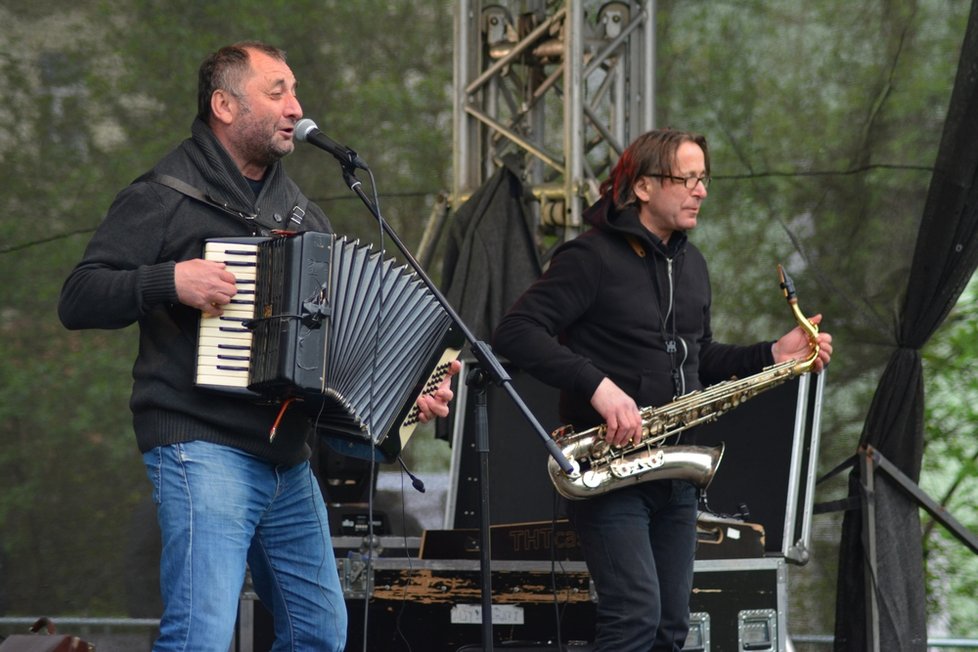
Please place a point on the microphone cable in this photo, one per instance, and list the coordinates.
(407, 552)
(379, 302)
(558, 607)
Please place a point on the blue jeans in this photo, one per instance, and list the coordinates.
(639, 543)
(220, 509)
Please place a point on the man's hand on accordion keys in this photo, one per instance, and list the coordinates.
(206, 285)
(435, 404)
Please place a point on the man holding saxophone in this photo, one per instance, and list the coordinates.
(621, 319)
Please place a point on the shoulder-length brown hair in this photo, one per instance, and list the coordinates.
(654, 152)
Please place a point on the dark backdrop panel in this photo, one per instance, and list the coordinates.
(754, 475)
(519, 488)
(755, 470)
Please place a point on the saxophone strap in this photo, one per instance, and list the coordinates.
(636, 245)
(671, 343)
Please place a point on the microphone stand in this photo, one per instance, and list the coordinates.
(489, 370)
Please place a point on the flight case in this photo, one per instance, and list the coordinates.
(435, 605)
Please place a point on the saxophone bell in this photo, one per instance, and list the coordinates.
(696, 464)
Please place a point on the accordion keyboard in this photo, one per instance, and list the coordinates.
(224, 343)
(331, 322)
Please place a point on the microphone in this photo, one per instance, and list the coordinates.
(306, 131)
(415, 480)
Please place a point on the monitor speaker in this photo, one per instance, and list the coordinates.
(769, 462)
(519, 487)
(766, 476)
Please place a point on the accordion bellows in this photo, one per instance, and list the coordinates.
(352, 335)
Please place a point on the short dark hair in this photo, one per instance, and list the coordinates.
(654, 152)
(226, 70)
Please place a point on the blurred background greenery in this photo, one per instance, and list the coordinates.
(823, 118)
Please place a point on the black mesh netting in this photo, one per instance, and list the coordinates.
(944, 259)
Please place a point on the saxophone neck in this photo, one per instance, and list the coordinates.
(788, 286)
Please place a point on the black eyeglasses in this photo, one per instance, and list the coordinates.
(689, 182)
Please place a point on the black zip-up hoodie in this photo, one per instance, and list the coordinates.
(618, 303)
(127, 276)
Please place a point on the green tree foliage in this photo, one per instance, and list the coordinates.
(950, 469)
(823, 119)
(98, 92)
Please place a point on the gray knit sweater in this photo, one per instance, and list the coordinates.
(127, 276)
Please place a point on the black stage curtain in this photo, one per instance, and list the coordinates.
(944, 260)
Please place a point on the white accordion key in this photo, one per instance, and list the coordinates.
(223, 341)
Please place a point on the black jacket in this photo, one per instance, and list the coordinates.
(127, 276)
(490, 256)
(615, 302)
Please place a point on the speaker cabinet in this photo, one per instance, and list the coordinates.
(519, 488)
(768, 471)
(767, 474)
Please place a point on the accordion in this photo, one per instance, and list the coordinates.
(331, 323)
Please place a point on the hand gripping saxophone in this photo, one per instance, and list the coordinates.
(599, 467)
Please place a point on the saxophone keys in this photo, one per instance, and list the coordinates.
(599, 449)
(592, 479)
(561, 433)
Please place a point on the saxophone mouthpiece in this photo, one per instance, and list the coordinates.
(787, 285)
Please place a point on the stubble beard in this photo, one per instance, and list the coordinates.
(257, 141)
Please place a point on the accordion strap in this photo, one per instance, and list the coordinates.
(184, 188)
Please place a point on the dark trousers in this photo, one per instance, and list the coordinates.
(639, 543)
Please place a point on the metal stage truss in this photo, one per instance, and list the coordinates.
(563, 86)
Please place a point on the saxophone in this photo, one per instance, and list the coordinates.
(599, 467)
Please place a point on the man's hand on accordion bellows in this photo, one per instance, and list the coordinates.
(204, 284)
(436, 403)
